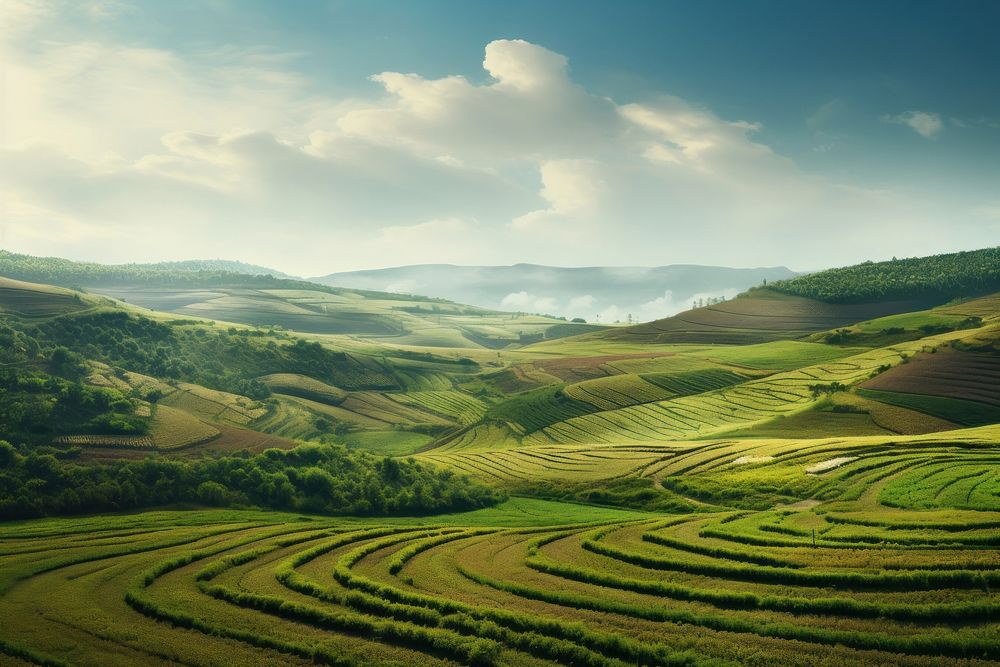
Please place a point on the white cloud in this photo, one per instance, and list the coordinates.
(149, 154)
(531, 110)
(527, 302)
(925, 123)
(402, 287)
(572, 188)
(580, 304)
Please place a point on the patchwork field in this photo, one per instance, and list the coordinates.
(887, 557)
(770, 480)
(392, 318)
(760, 316)
(951, 374)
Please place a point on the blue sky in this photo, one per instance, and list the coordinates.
(741, 133)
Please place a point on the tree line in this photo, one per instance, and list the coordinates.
(310, 478)
(937, 278)
(67, 273)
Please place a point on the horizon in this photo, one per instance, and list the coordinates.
(331, 138)
(656, 332)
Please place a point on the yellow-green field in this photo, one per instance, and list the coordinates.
(891, 558)
(766, 481)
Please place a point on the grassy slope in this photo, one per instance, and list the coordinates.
(808, 536)
(886, 564)
(758, 316)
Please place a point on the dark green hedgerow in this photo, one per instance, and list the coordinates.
(722, 598)
(950, 526)
(319, 654)
(892, 580)
(34, 657)
(718, 552)
(547, 638)
(468, 650)
(471, 651)
(401, 557)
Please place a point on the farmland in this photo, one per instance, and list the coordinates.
(372, 316)
(767, 480)
(893, 564)
(763, 315)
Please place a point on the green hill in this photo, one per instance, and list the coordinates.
(937, 278)
(213, 290)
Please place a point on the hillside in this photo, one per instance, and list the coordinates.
(768, 476)
(757, 316)
(184, 274)
(866, 295)
(227, 265)
(612, 291)
(937, 278)
(210, 290)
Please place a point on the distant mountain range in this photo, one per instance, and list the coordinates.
(607, 294)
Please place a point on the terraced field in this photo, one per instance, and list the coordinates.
(890, 558)
(214, 405)
(951, 374)
(715, 411)
(737, 407)
(758, 316)
(687, 458)
(294, 384)
(461, 407)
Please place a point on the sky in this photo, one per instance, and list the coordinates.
(317, 137)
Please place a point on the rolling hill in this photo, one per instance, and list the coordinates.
(643, 292)
(774, 478)
(213, 290)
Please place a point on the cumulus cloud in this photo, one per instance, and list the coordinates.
(236, 153)
(531, 110)
(581, 304)
(572, 189)
(925, 123)
(528, 302)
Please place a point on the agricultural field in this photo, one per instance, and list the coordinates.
(294, 384)
(870, 556)
(950, 374)
(762, 481)
(756, 317)
(377, 317)
(24, 299)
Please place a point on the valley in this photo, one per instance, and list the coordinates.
(772, 478)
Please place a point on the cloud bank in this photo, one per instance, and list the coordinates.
(122, 152)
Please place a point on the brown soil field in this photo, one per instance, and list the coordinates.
(949, 373)
(230, 439)
(578, 369)
(760, 318)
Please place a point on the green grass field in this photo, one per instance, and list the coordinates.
(861, 555)
(388, 318)
(760, 495)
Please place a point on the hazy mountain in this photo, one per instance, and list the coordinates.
(611, 293)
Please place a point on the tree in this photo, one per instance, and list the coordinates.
(212, 493)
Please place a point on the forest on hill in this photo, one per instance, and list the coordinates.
(718, 486)
(936, 278)
(67, 273)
